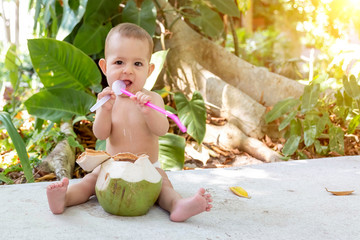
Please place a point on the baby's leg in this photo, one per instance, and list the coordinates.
(60, 196)
(182, 208)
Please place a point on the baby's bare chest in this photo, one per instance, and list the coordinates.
(126, 115)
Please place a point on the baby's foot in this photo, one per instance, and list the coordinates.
(188, 207)
(56, 195)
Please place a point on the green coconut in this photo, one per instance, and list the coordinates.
(128, 189)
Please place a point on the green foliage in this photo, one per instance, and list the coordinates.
(5, 179)
(90, 37)
(66, 73)
(19, 145)
(61, 65)
(59, 104)
(208, 21)
(227, 7)
(12, 67)
(172, 152)
(312, 122)
(72, 14)
(192, 114)
(281, 108)
(206, 15)
(145, 16)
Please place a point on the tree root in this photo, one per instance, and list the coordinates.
(231, 137)
(61, 160)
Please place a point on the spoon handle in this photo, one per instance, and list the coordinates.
(100, 103)
(159, 109)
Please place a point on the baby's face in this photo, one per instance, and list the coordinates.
(127, 59)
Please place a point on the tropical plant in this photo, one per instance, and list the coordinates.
(319, 120)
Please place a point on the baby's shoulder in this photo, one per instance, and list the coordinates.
(151, 93)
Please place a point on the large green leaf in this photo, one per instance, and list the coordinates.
(91, 37)
(227, 7)
(351, 87)
(101, 10)
(310, 97)
(19, 145)
(172, 152)
(59, 103)
(60, 64)
(281, 108)
(11, 66)
(71, 17)
(145, 17)
(158, 59)
(192, 114)
(209, 22)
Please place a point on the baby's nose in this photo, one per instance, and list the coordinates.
(128, 69)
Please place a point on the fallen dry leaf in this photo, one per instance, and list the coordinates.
(240, 192)
(340, 193)
(47, 177)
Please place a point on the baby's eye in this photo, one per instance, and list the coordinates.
(119, 62)
(138, 64)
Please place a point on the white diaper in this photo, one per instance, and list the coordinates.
(157, 164)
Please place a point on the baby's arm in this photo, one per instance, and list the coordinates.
(156, 121)
(102, 123)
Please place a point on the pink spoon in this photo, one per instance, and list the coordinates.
(119, 88)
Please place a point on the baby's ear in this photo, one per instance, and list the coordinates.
(151, 68)
(102, 64)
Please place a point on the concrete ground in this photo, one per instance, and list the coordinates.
(288, 201)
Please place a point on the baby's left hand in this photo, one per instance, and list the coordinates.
(141, 99)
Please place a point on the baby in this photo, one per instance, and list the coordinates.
(128, 125)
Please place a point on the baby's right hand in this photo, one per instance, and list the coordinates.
(109, 104)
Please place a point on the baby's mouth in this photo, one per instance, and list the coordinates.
(128, 83)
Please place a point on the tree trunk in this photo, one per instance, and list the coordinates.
(188, 46)
(229, 136)
(227, 101)
(6, 23)
(17, 25)
(235, 87)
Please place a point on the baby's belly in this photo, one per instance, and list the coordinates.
(135, 145)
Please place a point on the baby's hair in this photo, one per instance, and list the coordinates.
(131, 30)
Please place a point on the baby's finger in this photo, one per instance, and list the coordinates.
(143, 98)
(105, 91)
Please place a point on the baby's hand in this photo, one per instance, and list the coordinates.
(141, 99)
(109, 104)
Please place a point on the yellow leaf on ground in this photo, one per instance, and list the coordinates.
(340, 193)
(240, 192)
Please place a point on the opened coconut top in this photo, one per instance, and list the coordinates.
(126, 156)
